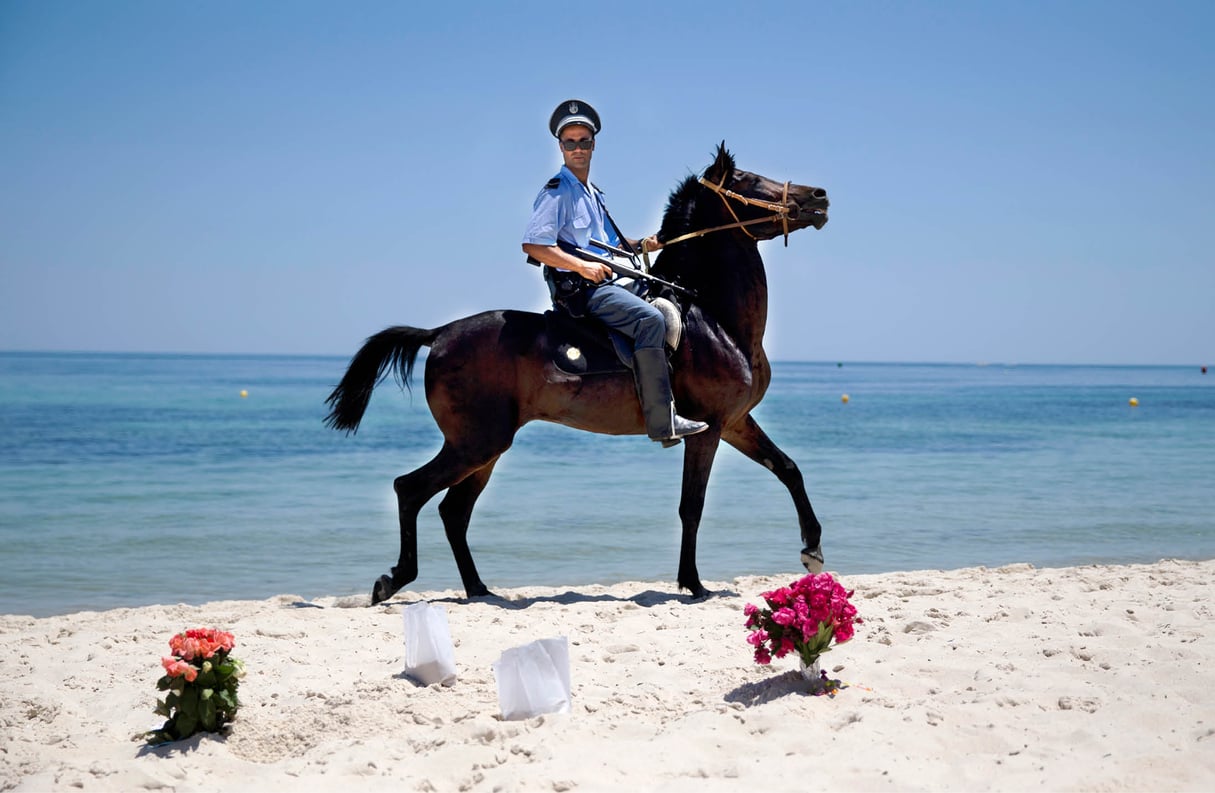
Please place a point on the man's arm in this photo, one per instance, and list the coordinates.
(552, 256)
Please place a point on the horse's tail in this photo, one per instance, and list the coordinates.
(392, 348)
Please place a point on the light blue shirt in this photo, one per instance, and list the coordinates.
(569, 211)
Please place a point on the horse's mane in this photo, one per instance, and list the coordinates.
(679, 216)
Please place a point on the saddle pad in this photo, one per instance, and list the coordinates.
(584, 346)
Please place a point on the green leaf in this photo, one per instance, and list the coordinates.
(207, 715)
(189, 702)
(187, 725)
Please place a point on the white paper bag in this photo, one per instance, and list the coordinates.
(429, 654)
(534, 679)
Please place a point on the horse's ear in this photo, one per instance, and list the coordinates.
(723, 166)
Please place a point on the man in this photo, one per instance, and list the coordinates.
(568, 213)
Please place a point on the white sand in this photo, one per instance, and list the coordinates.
(1089, 678)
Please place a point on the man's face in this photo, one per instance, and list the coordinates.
(579, 159)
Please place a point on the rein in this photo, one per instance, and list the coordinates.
(779, 212)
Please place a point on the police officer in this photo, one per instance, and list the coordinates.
(568, 213)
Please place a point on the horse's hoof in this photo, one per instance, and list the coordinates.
(382, 590)
(476, 589)
(812, 560)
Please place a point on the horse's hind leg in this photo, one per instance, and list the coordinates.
(456, 509)
(413, 490)
(749, 439)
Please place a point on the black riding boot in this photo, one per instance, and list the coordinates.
(657, 403)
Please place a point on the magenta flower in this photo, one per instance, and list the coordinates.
(784, 616)
(805, 617)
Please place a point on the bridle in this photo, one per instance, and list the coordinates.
(782, 212)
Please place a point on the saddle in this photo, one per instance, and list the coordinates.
(584, 346)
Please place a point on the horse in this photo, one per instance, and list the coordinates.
(489, 374)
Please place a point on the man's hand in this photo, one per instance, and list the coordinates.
(594, 271)
(553, 256)
(650, 243)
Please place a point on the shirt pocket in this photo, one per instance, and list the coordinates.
(581, 220)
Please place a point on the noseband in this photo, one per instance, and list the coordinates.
(782, 212)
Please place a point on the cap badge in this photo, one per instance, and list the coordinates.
(573, 107)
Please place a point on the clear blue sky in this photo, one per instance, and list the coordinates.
(1011, 182)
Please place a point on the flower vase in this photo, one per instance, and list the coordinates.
(811, 672)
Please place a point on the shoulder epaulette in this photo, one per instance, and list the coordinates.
(597, 188)
(551, 184)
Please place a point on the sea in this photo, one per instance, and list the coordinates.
(138, 479)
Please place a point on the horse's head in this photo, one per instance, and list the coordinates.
(762, 207)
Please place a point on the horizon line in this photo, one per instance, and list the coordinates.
(839, 362)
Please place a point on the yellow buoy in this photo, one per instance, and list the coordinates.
(243, 393)
(1134, 402)
(845, 399)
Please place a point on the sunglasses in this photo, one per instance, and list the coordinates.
(586, 144)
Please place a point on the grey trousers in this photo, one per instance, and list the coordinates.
(623, 311)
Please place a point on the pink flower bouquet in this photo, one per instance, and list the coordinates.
(201, 679)
(804, 617)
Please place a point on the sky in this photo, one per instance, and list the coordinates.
(1015, 182)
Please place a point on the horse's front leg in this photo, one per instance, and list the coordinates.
(699, 451)
(749, 439)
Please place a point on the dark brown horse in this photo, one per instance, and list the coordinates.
(489, 374)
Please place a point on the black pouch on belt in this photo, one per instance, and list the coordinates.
(569, 291)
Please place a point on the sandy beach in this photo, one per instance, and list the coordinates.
(1013, 678)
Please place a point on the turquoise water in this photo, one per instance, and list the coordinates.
(136, 479)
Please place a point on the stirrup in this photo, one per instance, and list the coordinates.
(672, 438)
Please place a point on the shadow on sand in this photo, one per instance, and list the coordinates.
(646, 599)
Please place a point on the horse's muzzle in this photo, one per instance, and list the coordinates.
(816, 214)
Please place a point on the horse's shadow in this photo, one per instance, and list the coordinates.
(646, 599)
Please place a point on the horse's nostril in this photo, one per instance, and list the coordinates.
(819, 192)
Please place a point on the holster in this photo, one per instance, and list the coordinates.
(568, 290)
